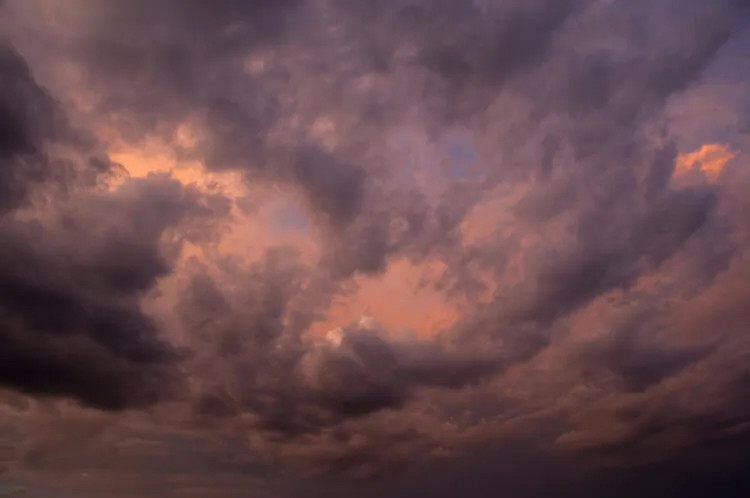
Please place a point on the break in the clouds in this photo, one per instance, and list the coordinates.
(295, 248)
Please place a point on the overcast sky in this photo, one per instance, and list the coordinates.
(393, 248)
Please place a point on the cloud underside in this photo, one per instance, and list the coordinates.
(572, 173)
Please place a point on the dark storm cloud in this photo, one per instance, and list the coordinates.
(366, 372)
(591, 106)
(22, 98)
(294, 387)
(186, 63)
(30, 121)
(335, 189)
(611, 257)
(71, 319)
(166, 50)
(596, 170)
(469, 49)
(189, 63)
(682, 367)
(623, 337)
(635, 355)
(74, 266)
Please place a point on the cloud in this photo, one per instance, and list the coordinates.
(72, 323)
(76, 258)
(709, 160)
(595, 259)
(31, 122)
(365, 372)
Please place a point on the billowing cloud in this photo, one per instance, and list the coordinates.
(75, 262)
(405, 241)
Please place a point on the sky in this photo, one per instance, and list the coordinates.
(334, 248)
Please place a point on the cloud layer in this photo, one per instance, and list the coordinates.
(564, 183)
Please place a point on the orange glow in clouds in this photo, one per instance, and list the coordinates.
(709, 161)
(400, 300)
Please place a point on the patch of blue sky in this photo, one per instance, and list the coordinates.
(462, 159)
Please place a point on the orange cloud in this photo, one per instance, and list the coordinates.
(153, 158)
(250, 232)
(708, 161)
(399, 300)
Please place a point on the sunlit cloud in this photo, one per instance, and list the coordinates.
(389, 248)
(708, 161)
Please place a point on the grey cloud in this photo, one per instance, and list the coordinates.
(71, 324)
(335, 189)
(625, 221)
(614, 256)
(636, 353)
(30, 122)
(70, 290)
(295, 386)
(567, 101)
(469, 49)
(175, 81)
(366, 372)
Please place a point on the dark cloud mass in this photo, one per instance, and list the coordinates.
(212, 215)
(72, 270)
(68, 293)
(29, 117)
